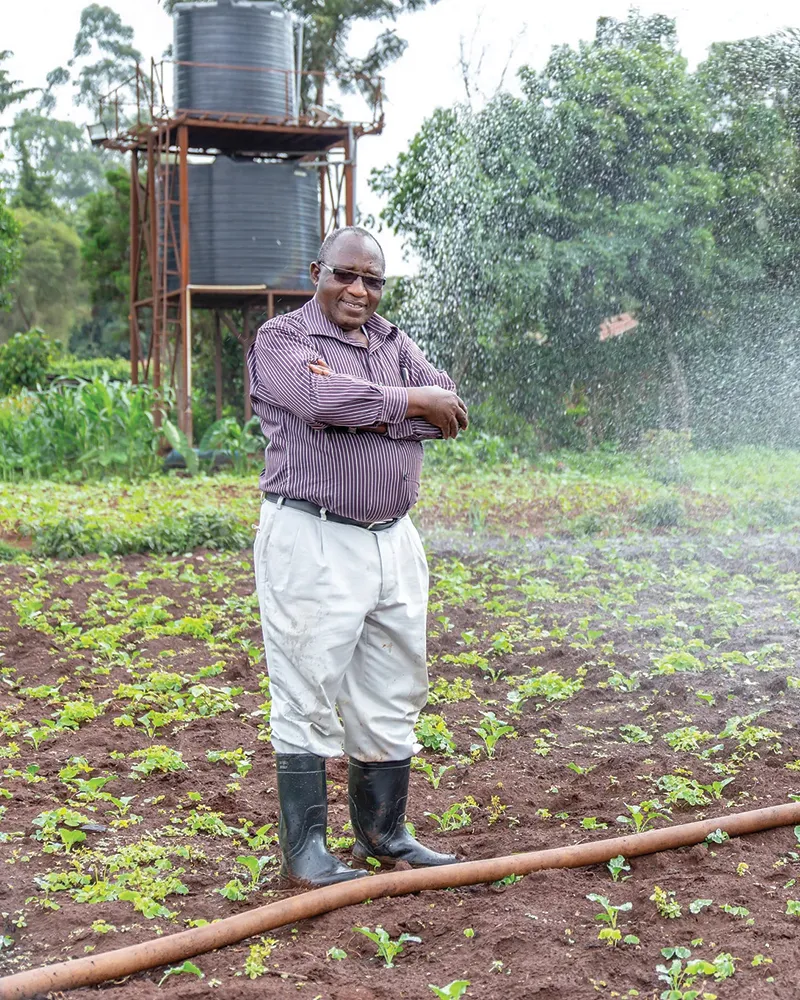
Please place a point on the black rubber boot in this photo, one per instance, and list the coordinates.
(378, 795)
(303, 799)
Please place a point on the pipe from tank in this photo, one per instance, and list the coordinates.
(94, 969)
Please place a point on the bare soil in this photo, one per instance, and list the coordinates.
(535, 938)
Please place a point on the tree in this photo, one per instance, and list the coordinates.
(327, 26)
(603, 189)
(47, 292)
(9, 94)
(60, 151)
(102, 35)
(9, 228)
(9, 249)
(33, 188)
(106, 253)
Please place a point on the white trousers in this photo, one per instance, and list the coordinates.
(344, 616)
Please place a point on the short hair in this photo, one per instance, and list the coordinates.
(331, 239)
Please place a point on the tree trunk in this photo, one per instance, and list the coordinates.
(680, 387)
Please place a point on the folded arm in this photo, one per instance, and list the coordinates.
(285, 370)
(419, 372)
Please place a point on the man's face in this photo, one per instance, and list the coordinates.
(348, 304)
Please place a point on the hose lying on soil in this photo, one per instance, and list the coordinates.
(176, 947)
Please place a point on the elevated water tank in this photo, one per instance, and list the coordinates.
(248, 33)
(253, 223)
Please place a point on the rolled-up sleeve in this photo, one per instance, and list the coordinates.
(278, 364)
(420, 372)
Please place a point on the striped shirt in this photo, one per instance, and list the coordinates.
(365, 475)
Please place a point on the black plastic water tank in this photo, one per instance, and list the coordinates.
(253, 223)
(250, 33)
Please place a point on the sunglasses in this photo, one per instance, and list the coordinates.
(345, 277)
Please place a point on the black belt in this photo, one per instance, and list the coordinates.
(326, 515)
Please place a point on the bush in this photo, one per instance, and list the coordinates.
(8, 553)
(662, 453)
(24, 361)
(665, 510)
(97, 428)
(68, 366)
(204, 528)
(589, 523)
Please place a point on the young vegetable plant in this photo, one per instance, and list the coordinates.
(255, 866)
(388, 950)
(419, 764)
(666, 904)
(643, 816)
(187, 968)
(491, 730)
(679, 978)
(611, 934)
(453, 991)
(455, 816)
(617, 866)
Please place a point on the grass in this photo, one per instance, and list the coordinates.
(569, 495)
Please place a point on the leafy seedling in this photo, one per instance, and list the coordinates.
(388, 950)
(679, 977)
(666, 904)
(453, 991)
(491, 730)
(611, 934)
(617, 866)
(255, 866)
(71, 837)
(187, 968)
(643, 816)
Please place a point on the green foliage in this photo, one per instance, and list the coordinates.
(432, 732)
(665, 510)
(453, 991)
(60, 151)
(255, 964)
(70, 367)
(47, 290)
(186, 968)
(24, 361)
(668, 907)
(105, 251)
(97, 428)
(611, 934)
(388, 949)
(490, 730)
(157, 759)
(617, 866)
(10, 246)
(456, 816)
(618, 181)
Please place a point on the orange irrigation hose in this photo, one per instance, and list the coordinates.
(176, 947)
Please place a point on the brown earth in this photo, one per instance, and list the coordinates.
(536, 938)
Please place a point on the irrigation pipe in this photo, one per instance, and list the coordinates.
(95, 969)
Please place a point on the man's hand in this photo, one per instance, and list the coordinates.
(440, 407)
(319, 367)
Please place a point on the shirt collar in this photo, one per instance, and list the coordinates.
(378, 329)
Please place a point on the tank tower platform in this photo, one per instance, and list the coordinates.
(233, 185)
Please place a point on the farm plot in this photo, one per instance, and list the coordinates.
(577, 691)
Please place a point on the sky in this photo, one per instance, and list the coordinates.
(495, 36)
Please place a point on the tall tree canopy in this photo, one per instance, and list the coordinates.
(614, 183)
(47, 290)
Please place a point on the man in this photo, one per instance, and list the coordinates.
(345, 400)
